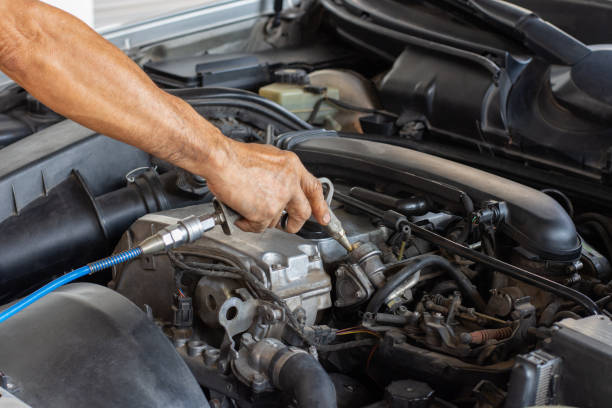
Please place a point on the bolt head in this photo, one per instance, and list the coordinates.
(246, 339)
(258, 383)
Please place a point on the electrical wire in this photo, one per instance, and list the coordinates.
(364, 331)
(348, 328)
(370, 356)
(253, 282)
(204, 269)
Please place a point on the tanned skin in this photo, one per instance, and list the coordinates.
(74, 71)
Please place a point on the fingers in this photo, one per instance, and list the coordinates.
(299, 211)
(251, 226)
(261, 189)
(314, 193)
(275, 223)
(307, 200)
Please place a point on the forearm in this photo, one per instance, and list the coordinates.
(70, 68)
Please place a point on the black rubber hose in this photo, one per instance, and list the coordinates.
(246, 100)
(561, 199)
(606, 222)
(393, 35)
(566, 314)
(548, 315)
(444, 287)
(419, 263)
(308, 383)
(600, 230)
(346, 345)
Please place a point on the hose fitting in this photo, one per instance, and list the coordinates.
(185, 231)
(269, 363)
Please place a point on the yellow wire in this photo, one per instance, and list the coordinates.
(401, 251)
(349, 328)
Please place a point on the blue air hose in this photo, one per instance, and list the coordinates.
(69, 277)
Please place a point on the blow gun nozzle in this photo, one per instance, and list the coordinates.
(336, 231)
(186, 230)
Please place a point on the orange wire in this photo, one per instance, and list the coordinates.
(349, 328)
(373, 333)
(370, 356)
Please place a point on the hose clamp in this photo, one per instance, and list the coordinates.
(131, 175)
(280, 363)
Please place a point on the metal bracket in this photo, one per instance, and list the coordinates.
(236, 316)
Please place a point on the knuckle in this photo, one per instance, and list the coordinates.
(257, 218)
(314, 187)
(253, 226)
(292, 159)
(304, 214)
(301, 213)
(294, 227)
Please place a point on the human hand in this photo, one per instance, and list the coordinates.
(260, 181)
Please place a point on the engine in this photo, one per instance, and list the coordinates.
(240, 307)
(473, 179)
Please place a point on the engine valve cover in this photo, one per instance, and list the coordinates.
(291, 265)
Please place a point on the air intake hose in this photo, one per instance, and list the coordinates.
(69, 227)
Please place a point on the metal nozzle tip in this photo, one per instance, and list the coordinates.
(346, 244)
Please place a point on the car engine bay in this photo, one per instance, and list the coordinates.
(471, 180)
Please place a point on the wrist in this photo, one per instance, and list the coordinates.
(215, 152)
(211, 149)
(199, 146)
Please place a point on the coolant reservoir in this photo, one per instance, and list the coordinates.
(301, 99)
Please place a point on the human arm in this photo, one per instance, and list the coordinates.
(70, 68)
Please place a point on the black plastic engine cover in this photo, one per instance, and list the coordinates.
(246, 70)
(87, 346)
